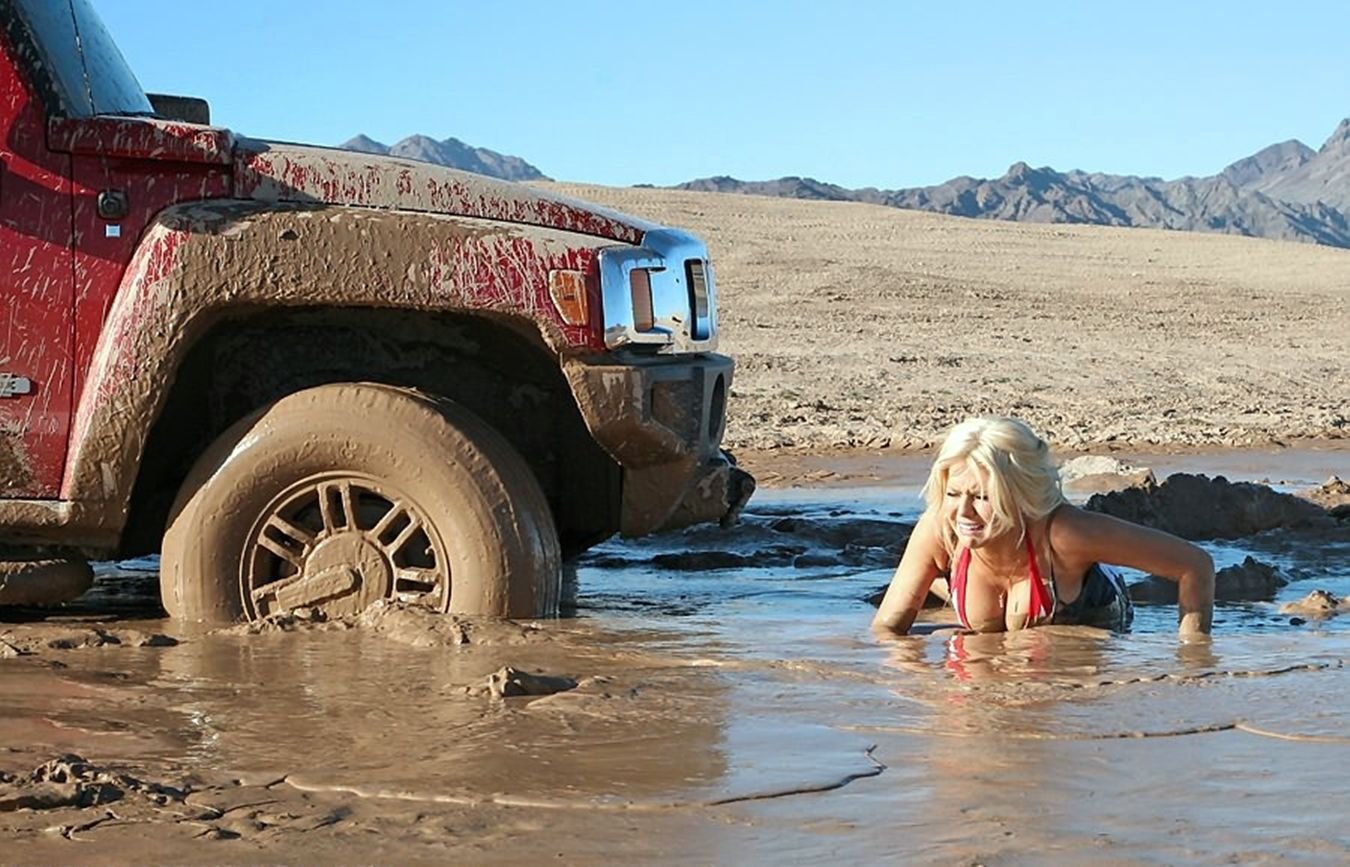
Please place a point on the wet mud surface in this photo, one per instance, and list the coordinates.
(717, 698)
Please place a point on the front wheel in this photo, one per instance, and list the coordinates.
(340, 495)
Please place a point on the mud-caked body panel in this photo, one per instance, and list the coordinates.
(199, 264)
(276, 172)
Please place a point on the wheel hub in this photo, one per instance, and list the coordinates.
(342, 575)
(338, 544)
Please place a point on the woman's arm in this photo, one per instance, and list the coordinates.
(918, 567)
(1091, 537)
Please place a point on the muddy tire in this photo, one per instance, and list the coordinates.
(336, 496)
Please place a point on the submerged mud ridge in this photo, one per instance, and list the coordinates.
(769, 538)
(30, 639)
(413, 625)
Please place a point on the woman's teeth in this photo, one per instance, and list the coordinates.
(970, 528)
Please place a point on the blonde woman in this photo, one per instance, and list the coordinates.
(998, 538)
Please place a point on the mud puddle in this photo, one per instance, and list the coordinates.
(716, 699)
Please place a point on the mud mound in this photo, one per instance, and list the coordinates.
(70, 781)
(1199, 507)
(1249, 581)
(34, 638)
(418, 626)
(295, 620)
(413, 625)
(1319, 603)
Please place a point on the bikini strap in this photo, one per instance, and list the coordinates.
(958, 586)
(1042, 603)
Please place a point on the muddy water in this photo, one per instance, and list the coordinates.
(728, 709)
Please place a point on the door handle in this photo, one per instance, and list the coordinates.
(13, 385)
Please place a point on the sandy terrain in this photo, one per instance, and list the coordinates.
(857, 325)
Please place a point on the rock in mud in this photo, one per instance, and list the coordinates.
(1199, 507)
(1332, 495)
(1249, 581)
(508, 682)
(1094, 474)
(1319, 603)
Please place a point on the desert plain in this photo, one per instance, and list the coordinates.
(865, 327)
(739, 711)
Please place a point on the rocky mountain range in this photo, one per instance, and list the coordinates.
(453, 153)
(1287, 191)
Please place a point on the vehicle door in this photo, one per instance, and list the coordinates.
(36, 284)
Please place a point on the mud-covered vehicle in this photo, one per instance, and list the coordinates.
(318, 378)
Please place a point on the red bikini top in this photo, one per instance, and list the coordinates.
(1042, 604)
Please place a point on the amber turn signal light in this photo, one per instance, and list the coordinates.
(568, 291)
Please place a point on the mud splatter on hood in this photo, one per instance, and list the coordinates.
(273, 171)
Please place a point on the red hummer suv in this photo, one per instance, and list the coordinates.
(318, 378)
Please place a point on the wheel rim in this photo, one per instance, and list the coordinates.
(338, 542)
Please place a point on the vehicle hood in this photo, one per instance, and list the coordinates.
(279, 172)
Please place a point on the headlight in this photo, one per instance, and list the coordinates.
(659, 295)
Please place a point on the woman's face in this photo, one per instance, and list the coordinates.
(966, 506)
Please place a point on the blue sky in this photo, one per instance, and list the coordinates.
(886, 94)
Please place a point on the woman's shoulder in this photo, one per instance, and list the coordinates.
(1068, 526)
(927, 533)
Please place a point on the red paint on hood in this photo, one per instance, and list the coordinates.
(269, 171)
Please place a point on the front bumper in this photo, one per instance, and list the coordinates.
(662, 419)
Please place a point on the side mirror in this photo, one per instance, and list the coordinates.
(188, 109)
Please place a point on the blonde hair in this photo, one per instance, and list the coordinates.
(1022, 482)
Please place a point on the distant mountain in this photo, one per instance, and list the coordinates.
(1286, 191)
(453, 153)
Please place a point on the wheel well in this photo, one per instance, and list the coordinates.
(497, 368)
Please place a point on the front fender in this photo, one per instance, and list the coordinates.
(200, 262)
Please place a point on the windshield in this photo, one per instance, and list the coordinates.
(84, 63)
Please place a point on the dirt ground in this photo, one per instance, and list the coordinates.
(862, 326)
